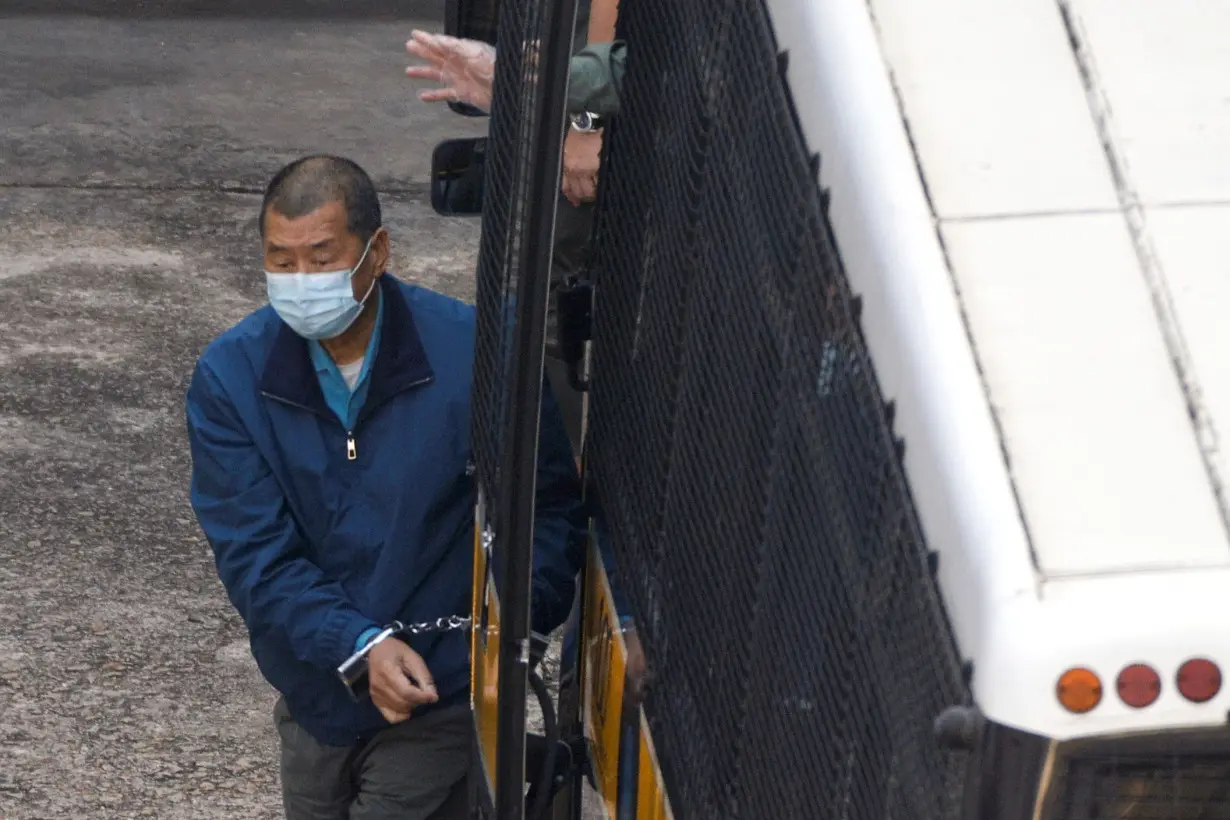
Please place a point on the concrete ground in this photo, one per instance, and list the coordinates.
(132, 151)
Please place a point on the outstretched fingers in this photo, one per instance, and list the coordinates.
(425, 72)
(440, 95)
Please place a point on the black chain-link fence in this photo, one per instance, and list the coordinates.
(508, 164)
(509, 157)
(744, 458)
(741, 452)
(521, 165)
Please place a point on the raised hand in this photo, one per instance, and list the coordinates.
(464, 69)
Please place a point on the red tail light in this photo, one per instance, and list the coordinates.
(1139, 685)
(1199, 680)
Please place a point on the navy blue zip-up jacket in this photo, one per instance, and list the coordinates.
(314, 547)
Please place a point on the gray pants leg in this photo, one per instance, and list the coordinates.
(415, 770)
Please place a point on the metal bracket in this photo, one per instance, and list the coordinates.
(574, 306)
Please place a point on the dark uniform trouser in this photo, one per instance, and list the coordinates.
(416, 770)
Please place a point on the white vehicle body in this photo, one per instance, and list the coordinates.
(1033, 199)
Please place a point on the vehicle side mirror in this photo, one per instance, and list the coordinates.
(457, 171)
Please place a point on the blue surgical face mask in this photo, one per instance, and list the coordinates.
(317, 305)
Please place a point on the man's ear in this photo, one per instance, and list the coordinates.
(380, 252)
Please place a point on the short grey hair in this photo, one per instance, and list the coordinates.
(310, 183)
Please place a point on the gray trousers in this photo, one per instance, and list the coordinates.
(416, 770)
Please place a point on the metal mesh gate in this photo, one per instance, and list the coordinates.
(743, 457)
(521, 178)
(741, 453)
(519, 40)
(507, 167)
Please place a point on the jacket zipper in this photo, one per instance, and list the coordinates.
(352, 451)
(352, 446)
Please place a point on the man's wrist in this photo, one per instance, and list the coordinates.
(353, 671)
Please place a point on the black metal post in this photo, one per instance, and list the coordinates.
(515, 507)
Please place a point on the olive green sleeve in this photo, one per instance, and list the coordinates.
(596, 78)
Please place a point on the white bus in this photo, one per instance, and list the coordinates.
(1033, 199)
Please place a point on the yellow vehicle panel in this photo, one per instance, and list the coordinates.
(485, 659)
(651, 802)
(604, 668)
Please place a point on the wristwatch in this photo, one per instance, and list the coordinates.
(585, 122)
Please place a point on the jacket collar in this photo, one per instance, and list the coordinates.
(401, 362)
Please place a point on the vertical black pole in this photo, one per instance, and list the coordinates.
(515, 511)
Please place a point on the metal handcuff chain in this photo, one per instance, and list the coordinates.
(353, 671)
(449, 623)
(353, 674)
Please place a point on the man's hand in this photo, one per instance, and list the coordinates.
(398, 679)
(465, 69)
(638, 671)
(582, 155)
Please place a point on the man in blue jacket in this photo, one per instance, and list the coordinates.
(330, 446)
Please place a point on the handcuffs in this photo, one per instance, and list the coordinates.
(353, 671)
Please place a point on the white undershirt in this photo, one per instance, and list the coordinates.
(351, 372)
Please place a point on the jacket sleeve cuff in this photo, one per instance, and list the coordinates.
(365, 637)
(341, 634)
(594, 81)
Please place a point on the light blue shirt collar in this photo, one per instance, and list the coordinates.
(344, 403)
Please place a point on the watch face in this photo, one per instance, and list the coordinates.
(585, 121)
